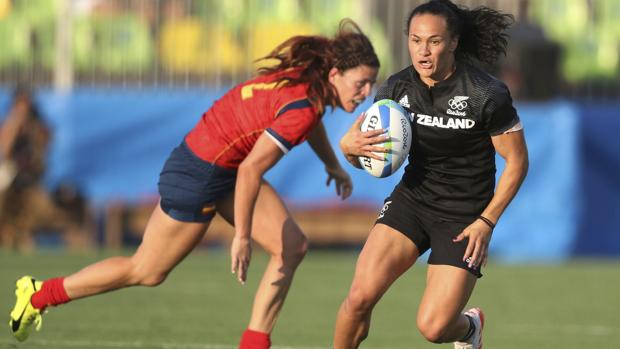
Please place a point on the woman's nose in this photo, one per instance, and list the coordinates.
(423, 49)
(366, 89)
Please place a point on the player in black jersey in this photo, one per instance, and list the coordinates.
(447, 200)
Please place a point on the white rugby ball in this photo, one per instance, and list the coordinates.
(389, 115)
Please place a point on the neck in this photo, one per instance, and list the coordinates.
(440, 76)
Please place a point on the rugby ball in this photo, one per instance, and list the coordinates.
(387, 114)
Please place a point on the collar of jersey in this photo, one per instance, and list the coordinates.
(439, 85)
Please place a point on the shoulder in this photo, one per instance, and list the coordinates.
(485, 83)
(272, 86)
(388, 89)
(403, 76)
(491, 98)
(275, 79)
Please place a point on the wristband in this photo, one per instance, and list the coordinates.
(487, 221)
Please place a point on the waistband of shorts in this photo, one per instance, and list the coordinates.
(203, 163)
(427, 210)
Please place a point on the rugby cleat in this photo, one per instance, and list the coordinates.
(475, 341)
(24, 315)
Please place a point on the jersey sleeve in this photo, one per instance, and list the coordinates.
(292, 124)
(500, 115)
(385, 90)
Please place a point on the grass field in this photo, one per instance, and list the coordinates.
(201, 306)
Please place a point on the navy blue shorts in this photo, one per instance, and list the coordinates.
(190, 186)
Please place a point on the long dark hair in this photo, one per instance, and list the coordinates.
(315, 55)
(481, 31)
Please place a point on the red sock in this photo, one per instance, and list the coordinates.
(52, 292)
(254, 340)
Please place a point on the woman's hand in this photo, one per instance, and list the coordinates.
(477, 251)
(358, 143)
(240, 254)
(344, 185)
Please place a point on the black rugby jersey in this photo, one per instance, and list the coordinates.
(451, 166)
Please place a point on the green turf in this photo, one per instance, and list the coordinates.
(569, 306)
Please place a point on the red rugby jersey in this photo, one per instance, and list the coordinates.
(226, 133)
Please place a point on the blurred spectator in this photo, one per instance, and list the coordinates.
(110, 38)
(5, 8)
(25, 205)
(531, 66)
(189, 45)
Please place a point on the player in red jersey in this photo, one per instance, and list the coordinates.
(219, 167)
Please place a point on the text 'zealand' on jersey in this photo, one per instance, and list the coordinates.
(439, 121)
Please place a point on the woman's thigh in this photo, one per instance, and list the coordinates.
(273, 227)
(447, 291)
(167, 241)
(386, 255)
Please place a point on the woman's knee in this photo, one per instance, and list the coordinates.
(431, 328)
(300, 248)
(291, 257)
(360, 301)
(294, 248)
(144, 275)
(152, 279)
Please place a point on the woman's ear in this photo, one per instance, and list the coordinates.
(454, 43)
(331, 76)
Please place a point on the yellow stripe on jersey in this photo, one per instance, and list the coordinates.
(247, 91)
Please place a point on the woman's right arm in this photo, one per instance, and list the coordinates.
(356, 143)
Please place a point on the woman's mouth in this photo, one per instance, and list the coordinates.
(425, 64)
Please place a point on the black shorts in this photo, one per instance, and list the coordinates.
(190, 186)
(427, 230)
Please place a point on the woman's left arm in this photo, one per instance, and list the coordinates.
(319, 143)
(510, 146)
(264, 155)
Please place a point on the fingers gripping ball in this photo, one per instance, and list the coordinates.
(389, 115)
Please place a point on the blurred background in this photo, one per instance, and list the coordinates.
(94, 94)
(112, 86)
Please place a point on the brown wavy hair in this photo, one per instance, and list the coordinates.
(315, 55)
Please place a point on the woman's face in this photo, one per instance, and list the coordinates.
(431, 47)
(353, 85)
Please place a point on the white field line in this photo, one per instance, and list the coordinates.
(114, 344)
(547, 329)
(564, 329)
(126, 344)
